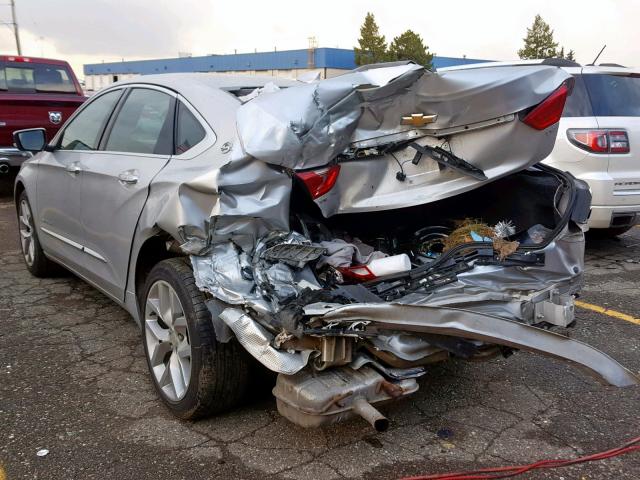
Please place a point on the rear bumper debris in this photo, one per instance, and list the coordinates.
(486, 328)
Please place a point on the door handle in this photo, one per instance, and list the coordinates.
(128, 177)
(73, 168)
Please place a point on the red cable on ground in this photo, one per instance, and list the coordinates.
(505, 472)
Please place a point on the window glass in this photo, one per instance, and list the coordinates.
(614, 95)
(144, 124)
(578, 104)
(189, 131)
(83, 133)
(20, 79)
(3, 80)
(43, 78)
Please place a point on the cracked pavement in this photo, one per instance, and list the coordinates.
(73, 380)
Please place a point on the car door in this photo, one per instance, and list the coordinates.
(137, 144)
(59, 179)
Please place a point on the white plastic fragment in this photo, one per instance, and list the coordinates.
(43, 452)
(390, 265)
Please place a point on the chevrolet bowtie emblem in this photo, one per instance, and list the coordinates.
(418, 119)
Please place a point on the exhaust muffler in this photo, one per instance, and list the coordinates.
(313, 399)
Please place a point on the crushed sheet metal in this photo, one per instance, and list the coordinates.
(487, 328)
(307, 126)
(257, 341)
(221, 274)
(496, 290)
(256, 280)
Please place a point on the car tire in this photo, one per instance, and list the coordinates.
(35, 259)
(214, 376)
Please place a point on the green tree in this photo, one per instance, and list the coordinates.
(539, 41)
(571, 56)
(372, 47)
(409, 46)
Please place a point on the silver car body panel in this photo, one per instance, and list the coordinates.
(236, 187)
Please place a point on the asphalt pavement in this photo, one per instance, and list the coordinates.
(73, 381)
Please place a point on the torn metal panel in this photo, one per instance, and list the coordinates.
(309, 125)
(513, 292)
(262, 279)
(257, 341)
(486, 328)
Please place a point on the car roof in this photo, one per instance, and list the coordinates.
(23, 59)
(182, 81)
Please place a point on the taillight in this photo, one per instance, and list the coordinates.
(319, 182)
(549, 111)
(359, 273)
(618, 141)
(599, 140)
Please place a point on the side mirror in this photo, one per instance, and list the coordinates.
(30, 140)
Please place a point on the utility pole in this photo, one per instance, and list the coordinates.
(15, 25)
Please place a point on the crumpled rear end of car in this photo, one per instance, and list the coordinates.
(369, 225)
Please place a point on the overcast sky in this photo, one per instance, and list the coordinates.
(90, 31)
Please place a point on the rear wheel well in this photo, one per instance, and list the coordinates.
(152, 251)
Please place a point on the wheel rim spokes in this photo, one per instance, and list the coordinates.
(26, 232)
(168, 343)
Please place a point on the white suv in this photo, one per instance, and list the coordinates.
(599, 138)
(599, 142)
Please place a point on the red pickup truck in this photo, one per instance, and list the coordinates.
(34, 92)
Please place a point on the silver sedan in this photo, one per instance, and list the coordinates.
(342, 233)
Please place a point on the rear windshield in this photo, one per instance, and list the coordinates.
(578, 104)
(614, 95)
(18, 77)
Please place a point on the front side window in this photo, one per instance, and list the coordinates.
(35, 78)
(144, 124)
(189, 131)
(614, 95)
(84, 131)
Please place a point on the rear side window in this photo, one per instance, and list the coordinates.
(578, 104)
(189, 131)
(35, 78)
(144, 124)
(83, 133)
(614, 95)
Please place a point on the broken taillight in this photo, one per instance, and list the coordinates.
(359, 273)
(319, 182)
(549, 111)
(599, 140)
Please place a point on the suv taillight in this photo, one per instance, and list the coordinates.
(618, 141)
(599, 140)
(549, 111)
(319, 182)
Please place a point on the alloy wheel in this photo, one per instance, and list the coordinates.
(168, 343)
(26, 232)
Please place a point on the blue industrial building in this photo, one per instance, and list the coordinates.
(287, 63)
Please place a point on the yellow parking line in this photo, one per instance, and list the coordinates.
(606, 311)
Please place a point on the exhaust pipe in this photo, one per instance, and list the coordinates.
(4, 168)
(370, 414)
(313, 399)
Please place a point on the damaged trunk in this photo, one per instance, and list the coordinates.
(376, 248)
